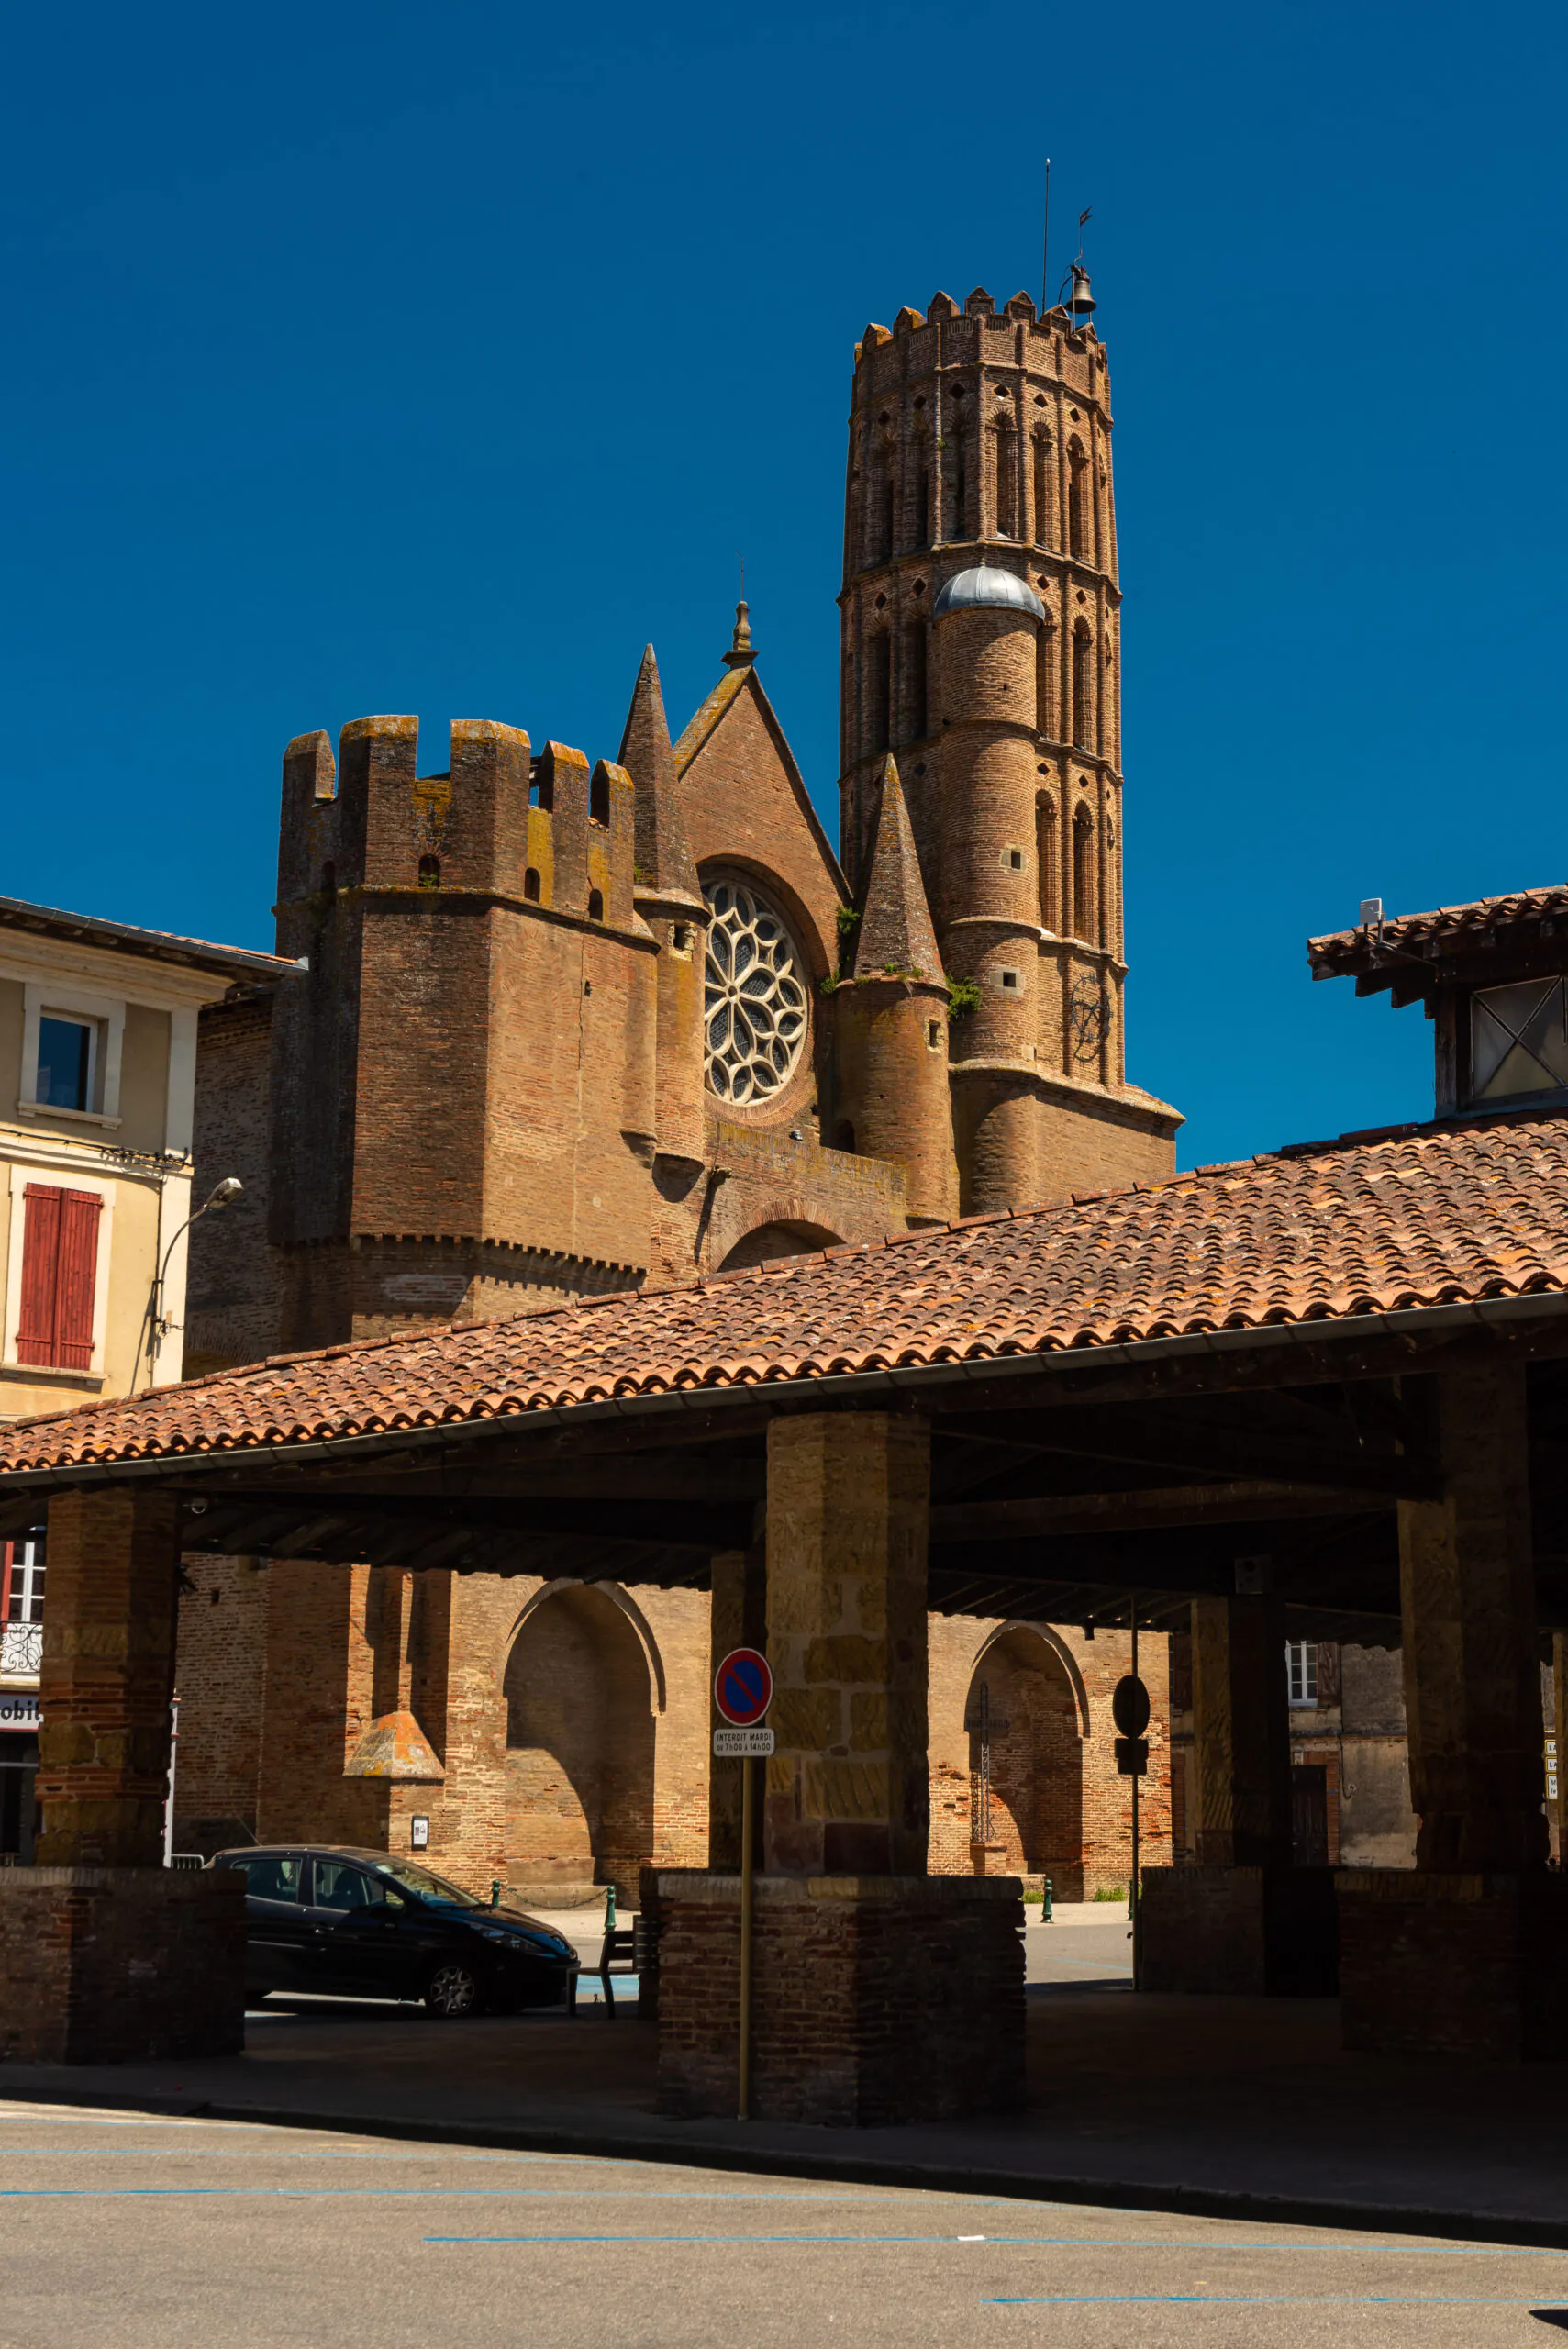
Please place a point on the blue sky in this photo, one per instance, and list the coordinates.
(414, 359)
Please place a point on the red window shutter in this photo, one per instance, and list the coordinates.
(40, 1268)
(5, 1582)
(60, 1264)
(78, 1279)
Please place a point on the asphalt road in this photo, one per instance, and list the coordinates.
(123, 2233)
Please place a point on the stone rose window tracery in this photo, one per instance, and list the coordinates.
(754, 994)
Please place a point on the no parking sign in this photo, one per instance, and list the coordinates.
(742, 1690)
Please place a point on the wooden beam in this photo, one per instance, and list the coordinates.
(1179, 1437)
(1055, 1516)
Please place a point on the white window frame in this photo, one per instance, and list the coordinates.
(1298, 1669)
(106, 1014)
(65, 1179)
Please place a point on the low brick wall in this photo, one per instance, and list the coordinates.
(1239, 1932)
(875, 2000)
(1454, 1964)
(120, 1965)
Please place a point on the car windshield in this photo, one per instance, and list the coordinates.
(428, 1887)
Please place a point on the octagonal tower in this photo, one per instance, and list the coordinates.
(980, 645)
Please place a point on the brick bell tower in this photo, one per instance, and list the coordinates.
(980, 645)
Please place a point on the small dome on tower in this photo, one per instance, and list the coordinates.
(987, 584)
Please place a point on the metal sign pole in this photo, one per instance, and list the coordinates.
(747, 1860)
(1132, 1905)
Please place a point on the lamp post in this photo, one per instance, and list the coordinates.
(219, 1196)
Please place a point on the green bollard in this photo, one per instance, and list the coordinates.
(1045, 1904)
(610, 1910)
(494, 1892)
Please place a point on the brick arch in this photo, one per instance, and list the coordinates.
(618, 1597)
(579, 1770)
(1059, 1647)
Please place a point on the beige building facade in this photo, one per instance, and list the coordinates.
(97, 1096)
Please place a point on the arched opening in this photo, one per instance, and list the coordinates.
(1045, 857)
(1045, 679)
(429, 872)
(881, 694)
(1007, 483)
(541, 785)
(1025, 1763)
(923, 503)
(1082, 687)
(771, 1240)
(914, 680)
(595, 905)
(955, 517)
(530, 884)
(1080, 518)
(579, 1788)
(1082, 874)
(1044, 493)
(599, 798)
(844, 1136)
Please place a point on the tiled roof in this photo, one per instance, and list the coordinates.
(1419, 1216)
(1447, 927)
(161, 945)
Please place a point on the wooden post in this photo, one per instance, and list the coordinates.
(748, 1863)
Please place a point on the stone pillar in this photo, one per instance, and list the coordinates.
(848, 1790)
(104, 1954)
(108, 1675)
(1243, 1920)
(739, 1620)
(1471, 1662)
(1466, 1953)
(1240, 1733)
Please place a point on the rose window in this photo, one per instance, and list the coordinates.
(754, 995)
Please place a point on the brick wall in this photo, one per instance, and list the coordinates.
(120, 1965)
(219, 1664)
(873, 2001)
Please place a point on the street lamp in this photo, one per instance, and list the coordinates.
(220, 1196)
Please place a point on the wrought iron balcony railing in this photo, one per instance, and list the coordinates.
(21, 1651)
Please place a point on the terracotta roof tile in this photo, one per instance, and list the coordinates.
(1345, 950)
(1425, 1216)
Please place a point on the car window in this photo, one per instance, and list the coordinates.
(272, 1875)
(341, 1884)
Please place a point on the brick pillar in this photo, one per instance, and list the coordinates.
(1560, 1726)
(107, 1676)
(1467, 1952)
(848, 1791)
(739, 1618)
(1240, 1733)
(1472, 1667)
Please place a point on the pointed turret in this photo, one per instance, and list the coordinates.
(664, 862)
(668, 896)
(896, 925)
(891, 1021)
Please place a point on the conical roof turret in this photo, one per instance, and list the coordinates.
(665, 866)
(895, 925)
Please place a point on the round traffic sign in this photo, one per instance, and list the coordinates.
(743, 1687)
(1129, 1706)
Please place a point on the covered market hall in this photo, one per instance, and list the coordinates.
(1319, 1394)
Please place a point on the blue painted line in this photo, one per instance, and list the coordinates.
(1256, 2300)
(408, 2194)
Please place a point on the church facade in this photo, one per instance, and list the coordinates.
(558, 1028)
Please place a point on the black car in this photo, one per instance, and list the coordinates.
(349, 1923)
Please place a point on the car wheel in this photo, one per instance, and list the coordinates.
(452, 1990)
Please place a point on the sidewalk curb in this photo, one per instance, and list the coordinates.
(872, 2169)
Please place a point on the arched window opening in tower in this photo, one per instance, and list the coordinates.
(914, 680)
(844, 1136)
(754, 995)
(1082, 689)
(879, 697)
(1082, 874)
(923, 504)
(595, 905)
(1007, 483)
(429, 872)
(541, 788)
(599, 800)
(1044, 493)
(531, 884)
(955, 520)
(1080, 526)
(879, 543)
(1045, 681)
(1045, 858)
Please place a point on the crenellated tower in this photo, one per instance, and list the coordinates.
(980, 645)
